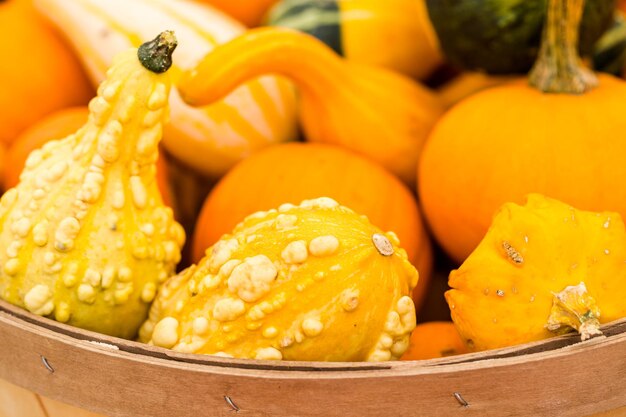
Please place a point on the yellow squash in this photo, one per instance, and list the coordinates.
(375, 112)
(211, 139)
(85, 236)
(542, 269)
(394, 34)
(310, 282)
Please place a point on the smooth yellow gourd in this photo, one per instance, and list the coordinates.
(542, 269)
(375, 112)
(310, 282)
(211, 139)
(394, 34)
(85, 236)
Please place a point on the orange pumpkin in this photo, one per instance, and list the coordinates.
(248, 12)
(296, 171)
(39, 74)
(559, 137)
(434, 339)
(55, 126)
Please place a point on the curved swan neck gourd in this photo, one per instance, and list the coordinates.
(86, 235)
(377, 113)
(308, 62)
(558, 68)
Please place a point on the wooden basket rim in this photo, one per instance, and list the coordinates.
(33, 341)
(548, 346)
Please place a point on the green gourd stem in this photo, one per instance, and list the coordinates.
(156, 55)
(558, 68)
(306, 61)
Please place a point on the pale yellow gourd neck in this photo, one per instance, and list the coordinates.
(126, 118)
(558, 68)
(308, 62)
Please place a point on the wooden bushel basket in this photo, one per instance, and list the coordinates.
(115, 377)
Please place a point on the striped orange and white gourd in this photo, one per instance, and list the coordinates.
(209, 139)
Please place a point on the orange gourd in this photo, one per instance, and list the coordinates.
(299, 171)
(542, 269)
(375, 112)
(315, 281)
(434, 339)
(38, 74)
(558, 136)
(59, 125)
(248, 12)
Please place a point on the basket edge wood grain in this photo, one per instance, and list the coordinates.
(116, 377)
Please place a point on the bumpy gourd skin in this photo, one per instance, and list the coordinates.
(308, 282)
(85, 236)
(542, 268)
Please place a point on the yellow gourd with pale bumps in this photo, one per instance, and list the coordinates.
(310, 282)
(542, 269)
(86, 238)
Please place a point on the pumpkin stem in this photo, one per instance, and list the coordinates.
(574, 308)
(156, 55)
(306, 61)
(558, 68)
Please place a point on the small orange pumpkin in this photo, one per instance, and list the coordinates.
(556, 137)
(39, 74)
(59, 125)
(434, 339)
(299, 171)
